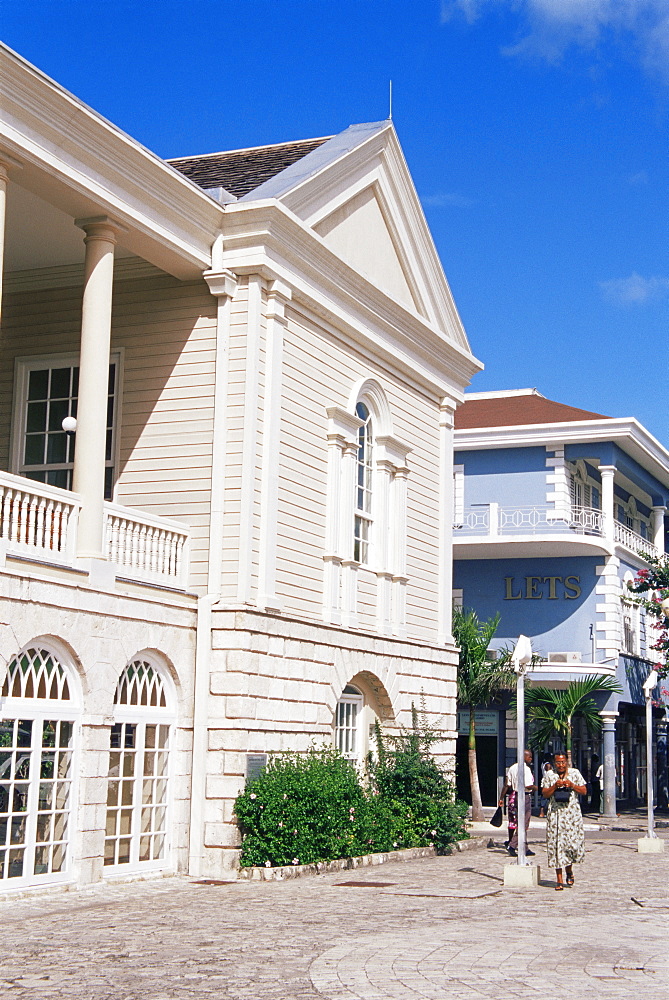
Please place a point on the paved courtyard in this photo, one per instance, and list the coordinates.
(430, 929)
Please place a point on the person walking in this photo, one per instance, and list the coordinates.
(511, 786)
(565, 836)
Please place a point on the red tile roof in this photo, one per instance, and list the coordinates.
(511, 411)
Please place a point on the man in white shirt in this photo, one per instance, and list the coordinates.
(511, 786)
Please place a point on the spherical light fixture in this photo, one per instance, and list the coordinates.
(69, 424)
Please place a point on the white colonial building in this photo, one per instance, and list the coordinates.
(258, 357)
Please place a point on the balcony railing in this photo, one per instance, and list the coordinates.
(39, 522)
(642, 546)
(492, 520)
(147, 546)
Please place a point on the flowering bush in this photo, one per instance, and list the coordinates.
(313, 807)
(654, 582)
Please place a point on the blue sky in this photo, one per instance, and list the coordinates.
(535, 130)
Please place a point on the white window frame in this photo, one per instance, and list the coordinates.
(630, 621)
(349, 738)
(363, 523)
(37, 711)
(23, 367)
(141, 716)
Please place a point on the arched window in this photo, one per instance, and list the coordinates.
(37, 743)
(363, 487)
(137, 825)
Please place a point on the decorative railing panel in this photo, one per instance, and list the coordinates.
(37, 519)
(493, 519)
(147, 547)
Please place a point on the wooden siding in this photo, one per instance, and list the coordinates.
(318, 371)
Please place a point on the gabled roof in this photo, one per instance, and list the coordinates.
(512, 410)
(241, 171)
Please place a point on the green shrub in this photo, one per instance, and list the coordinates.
(313, 807)
(302, 808)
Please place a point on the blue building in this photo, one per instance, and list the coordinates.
(554, 506)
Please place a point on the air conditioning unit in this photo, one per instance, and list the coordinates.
(572, 656)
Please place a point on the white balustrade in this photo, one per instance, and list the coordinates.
(625, 536)
(147, 547)
(36, 519)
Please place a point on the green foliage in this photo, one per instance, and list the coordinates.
(654, 582)
(414, 789)
(313, 807)
(479, 678)
(303, 808)
(550, 711)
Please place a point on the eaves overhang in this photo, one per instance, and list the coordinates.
(267, 237)
(72, 156)
(630, 436)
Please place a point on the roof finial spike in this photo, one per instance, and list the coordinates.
(390, 100)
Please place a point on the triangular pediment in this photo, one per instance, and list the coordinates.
(356, 193)
(358, 232)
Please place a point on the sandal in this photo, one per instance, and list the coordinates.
(559, 887)
(570, 879)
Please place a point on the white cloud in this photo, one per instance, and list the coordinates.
(636, 180)
(446, 200)
(550, 27)
(635, 290)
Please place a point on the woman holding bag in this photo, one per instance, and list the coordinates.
(565, 837)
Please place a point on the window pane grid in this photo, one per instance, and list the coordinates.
(35, 796)
(363, 489)
(137, 793)
(47, 452)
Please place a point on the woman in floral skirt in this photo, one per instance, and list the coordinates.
(565, 837)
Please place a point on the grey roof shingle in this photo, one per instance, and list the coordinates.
(243, 170)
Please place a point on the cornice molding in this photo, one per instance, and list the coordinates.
(627, 432)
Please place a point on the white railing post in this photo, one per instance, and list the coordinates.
(493, 523)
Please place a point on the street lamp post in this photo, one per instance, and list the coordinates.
(648, 688)
(520, 658)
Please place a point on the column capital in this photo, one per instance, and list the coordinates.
(608, 470)
(100, 227)
(222, 284)
(8, 166)
(609, 716)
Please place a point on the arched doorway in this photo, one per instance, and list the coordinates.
(38, 733)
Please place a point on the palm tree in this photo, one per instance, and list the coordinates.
(550, 712)
(479, 678)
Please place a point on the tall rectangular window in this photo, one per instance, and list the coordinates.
(47, 392)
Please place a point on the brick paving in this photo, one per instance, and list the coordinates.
(443, 929)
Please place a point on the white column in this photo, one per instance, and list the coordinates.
(382, 545)
(247, 551)
(347, 524)
(607, 473)
(657, 524)
(342, 439)
(4, 178)
(399, 535)
(278, 294)
(446, 512)
(609, 739)
(222, 284)
(89, 459)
